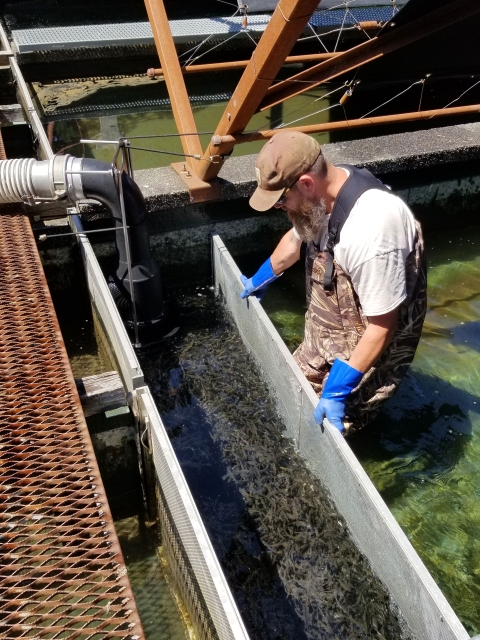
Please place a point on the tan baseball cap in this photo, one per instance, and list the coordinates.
(285, 157)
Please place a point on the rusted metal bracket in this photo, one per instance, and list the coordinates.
(241, 64)
(285, 26)
(200, 191)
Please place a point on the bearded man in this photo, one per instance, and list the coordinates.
(365, 272)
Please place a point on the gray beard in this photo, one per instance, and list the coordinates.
(308, 220)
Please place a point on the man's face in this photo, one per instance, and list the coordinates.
(308, 218)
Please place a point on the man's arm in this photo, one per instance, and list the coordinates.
(286, 253)
(375, 340)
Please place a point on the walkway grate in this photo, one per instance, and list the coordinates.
(183, 31)
(62, 573)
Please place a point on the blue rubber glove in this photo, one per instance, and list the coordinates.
(340, 383)
(259, 293)
(258, 283)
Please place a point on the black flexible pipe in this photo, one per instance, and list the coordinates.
(147, 286)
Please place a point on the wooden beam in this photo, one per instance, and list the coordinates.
(182, 110)
(5, 50)
(284, 28)
(388, 41)
(325, 127)
(100, 393)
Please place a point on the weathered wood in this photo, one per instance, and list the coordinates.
(11, 114)
(100, 393)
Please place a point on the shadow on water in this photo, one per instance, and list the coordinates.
(467, 333)
(422, 433)
(259, 592)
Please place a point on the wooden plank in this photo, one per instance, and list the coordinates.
(100, 393)
(11, 114)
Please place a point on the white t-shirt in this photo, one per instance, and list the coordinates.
(375, 241)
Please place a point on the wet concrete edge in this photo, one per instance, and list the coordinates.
(163, 188)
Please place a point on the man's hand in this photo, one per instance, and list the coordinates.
(250, 288)
(341, 381)
(333, 410)
(258, 283)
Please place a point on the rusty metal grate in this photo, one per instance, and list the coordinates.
(3, 155)
(62, 573)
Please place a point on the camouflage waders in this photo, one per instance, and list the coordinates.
(335, 322)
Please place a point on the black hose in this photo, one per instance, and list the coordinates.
(147, 286)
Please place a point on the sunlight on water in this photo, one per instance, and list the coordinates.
(423, 451)
(110, 108)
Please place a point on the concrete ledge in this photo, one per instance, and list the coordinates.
(163, 189)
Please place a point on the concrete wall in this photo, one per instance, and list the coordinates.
(436, 172)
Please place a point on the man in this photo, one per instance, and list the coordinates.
(365, 270)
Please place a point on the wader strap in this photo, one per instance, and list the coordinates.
(359, 181)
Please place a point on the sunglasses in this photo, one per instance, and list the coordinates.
(281, 201)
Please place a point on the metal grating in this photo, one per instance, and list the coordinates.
(42, 39)
(269, 5)
(137, 33)
(3, 155)
(195, 565)
(336, 17)
(62, 573)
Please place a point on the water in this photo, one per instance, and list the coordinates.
(423, 450)
(138, 106)
(293, 570)
(82, 334)
(162, 614)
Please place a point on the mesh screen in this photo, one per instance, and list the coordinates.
(199, 575)
(108, 314)
(61, 569)
(183, 572)
(373, 528)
